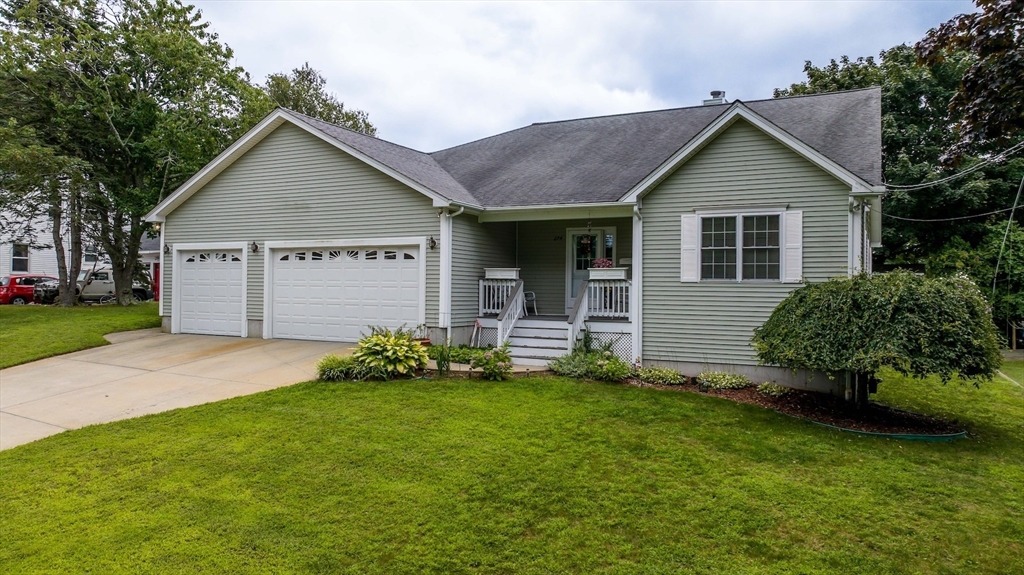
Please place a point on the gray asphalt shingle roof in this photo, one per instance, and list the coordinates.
(599, 159)
(412, 164)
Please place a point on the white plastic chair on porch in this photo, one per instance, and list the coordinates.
(530, 298)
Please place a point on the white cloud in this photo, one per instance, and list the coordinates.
(436, 75)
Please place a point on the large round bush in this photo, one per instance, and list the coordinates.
(917, 326)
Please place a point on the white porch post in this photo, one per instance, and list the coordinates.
(636, 294)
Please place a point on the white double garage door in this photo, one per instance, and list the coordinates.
(332, 293)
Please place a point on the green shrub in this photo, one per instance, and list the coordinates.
(577, 364)
(459, 354)
(581, 364)
(772, 389)
(339, 368)
(723, 380)
(917, 326)
(385, 354)
(660, 376)
(611, 368)
(494, 364)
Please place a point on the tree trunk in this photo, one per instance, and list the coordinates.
(123, 247)
(67, 271)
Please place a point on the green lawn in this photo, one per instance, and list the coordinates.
(541, 475)
(1014, 370)
(31, 332)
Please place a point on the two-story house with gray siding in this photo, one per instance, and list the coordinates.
(671, 234)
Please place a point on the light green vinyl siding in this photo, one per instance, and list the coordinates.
(714, 321)
(294, 186)
(476, 246)
(542, 251)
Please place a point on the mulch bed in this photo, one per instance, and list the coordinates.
(828, 409)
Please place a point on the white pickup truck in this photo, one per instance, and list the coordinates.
(98, 285)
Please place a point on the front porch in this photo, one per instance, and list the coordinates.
(572, 277)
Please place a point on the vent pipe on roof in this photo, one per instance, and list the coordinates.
(717, 97)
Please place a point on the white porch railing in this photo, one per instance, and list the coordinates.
(493, 293)
(578, 315)
(608, 298)
(514, 308)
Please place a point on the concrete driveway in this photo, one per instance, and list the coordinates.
(145, 372)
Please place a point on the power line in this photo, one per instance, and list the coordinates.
(1009, 222)
(951, 219)
(994, 159)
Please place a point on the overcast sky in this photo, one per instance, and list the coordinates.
(434, 75)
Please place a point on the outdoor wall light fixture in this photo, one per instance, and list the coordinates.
(255, 247)
(167, 249)
(432, 243)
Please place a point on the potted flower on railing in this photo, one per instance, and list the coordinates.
(604, 269)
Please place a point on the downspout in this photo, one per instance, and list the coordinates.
(637, 303)
(447, 272)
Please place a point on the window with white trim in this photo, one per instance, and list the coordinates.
(742, 246)
(19, 258)
(728, 241)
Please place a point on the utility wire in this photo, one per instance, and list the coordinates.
(994, 159)
(1006, 234)
(950, 219)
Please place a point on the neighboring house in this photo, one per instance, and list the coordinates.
(17, 256)
(711, 215)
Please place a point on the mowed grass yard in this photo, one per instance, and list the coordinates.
(539, 475)
(31, 332)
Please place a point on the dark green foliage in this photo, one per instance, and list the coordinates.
(917, 326)
(304, 90)
(495, 364)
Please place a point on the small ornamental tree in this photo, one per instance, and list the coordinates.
(917, 326)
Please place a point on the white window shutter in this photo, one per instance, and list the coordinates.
(794, 247)
(688, 271)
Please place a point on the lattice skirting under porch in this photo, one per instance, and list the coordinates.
(622, 343)
(486, 337)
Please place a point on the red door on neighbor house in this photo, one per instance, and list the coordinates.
(156, 281)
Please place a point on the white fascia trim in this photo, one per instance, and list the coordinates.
(176, 278)
(636, 305)
(736, 111)
(268, 268)
(253, 137)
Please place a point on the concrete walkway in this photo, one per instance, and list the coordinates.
(145, 372)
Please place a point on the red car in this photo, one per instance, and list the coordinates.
(18, 289)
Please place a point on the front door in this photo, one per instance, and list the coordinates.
(585, 246)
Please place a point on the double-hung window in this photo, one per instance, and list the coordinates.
(740, 247)
(19, 258)
(752, 246)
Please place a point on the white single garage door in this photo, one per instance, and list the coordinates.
(210, 292)
(336, 293)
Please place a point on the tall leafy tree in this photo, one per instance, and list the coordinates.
(39, 185)
(304, 90)
(918, 127)
(142, 92)
(919, 130)
(989, 101)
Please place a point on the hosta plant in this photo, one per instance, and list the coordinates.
(387, 354)
(660, 376)
(722, 380)
(772, 389)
